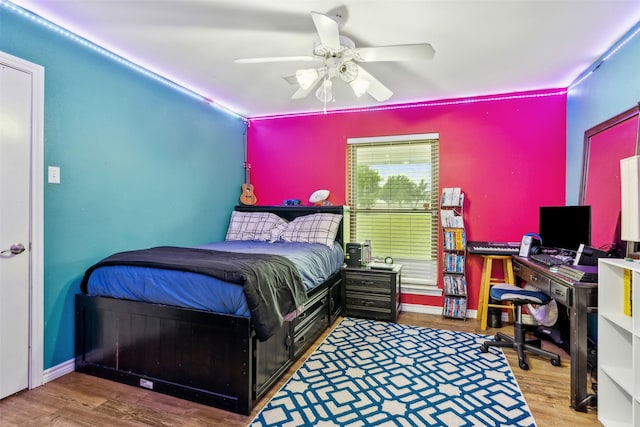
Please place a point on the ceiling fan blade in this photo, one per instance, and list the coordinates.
(275, 59)
(328, 30)
(291, 79)
(376, 89)
(406, 52)
(301, 93)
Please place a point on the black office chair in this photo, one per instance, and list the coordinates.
(519, 297)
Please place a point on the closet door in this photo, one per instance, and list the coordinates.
(15, 176)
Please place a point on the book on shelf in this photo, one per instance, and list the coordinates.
(454, 239)
(455, 307)
(452, 197)
(627, 308)
(450, 219)
(453, 263)
(455, 285)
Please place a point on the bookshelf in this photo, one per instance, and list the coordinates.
(618, 342)
(454, 246)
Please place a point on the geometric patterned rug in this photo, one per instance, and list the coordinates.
(377, 373)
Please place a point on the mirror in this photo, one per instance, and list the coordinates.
(604, 145)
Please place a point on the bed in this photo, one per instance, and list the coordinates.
(212, 355)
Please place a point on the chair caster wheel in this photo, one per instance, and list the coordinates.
(524, 366)
(555, 362)
(484, 348)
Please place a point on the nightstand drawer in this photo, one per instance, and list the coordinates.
(363, 306)
(367, 282)
(364, 301)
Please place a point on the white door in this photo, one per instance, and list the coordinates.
(15, 176)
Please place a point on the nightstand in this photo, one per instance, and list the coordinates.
(371, 293)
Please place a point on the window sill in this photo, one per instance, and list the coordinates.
(432, 291)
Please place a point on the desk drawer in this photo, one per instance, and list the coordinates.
(561, 293)
(531, 277)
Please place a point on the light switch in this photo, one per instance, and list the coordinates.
(54, 175)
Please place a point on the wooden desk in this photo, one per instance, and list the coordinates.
(580, 298)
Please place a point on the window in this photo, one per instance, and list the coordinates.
(393, 196)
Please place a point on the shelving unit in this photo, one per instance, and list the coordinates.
(618, 342)
(454, 245)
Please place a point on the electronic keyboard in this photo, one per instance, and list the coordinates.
(493, 248)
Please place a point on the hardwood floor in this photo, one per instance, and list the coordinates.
(81, 400)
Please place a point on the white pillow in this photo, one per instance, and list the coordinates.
(314, 228)
(254, 226)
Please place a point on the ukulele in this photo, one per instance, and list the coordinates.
(247, 197)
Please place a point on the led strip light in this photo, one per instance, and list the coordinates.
(418, 105)
(114, 57)
(117, 58)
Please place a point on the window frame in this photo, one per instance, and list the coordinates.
(424, 286)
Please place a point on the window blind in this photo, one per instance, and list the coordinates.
(393, 193)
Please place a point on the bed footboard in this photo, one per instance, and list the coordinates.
(205, 357)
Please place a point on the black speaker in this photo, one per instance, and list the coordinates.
(354, 255)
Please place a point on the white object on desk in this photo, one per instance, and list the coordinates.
(525, 245)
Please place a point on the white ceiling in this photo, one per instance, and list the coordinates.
(482, 46)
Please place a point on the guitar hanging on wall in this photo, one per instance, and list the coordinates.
(247, 197)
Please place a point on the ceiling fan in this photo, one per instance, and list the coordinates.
(339, 58)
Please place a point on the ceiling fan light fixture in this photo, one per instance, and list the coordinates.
(360, 86)
(348, 71)
(306, 77)
(325, 91)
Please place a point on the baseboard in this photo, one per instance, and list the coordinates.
(59, 370)
(431, 309)
(418, 308)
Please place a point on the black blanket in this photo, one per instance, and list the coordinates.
(271, 283)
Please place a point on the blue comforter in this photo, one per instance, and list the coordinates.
(315, 263)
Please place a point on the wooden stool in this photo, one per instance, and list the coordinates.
(487, 281)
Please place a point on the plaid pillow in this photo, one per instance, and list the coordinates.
(314, 228)
(278, 230)
(253, 226)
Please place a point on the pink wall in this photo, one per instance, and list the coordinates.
(507, 153)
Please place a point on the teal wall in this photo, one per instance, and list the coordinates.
(608, 88)
(141, 164)
(612, 87)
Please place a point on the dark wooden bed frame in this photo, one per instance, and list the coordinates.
(206, 357)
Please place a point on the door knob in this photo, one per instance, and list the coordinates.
(15, 249)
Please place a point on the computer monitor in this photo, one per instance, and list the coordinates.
(565, 227)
